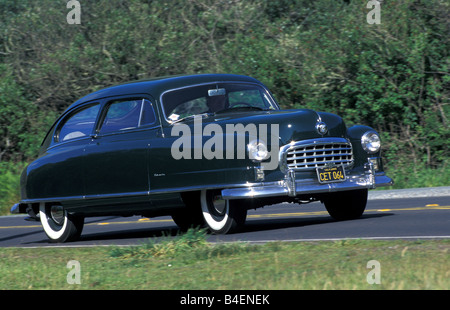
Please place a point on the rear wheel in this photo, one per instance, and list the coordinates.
(58, 225)
(222, 216)
(347, 205)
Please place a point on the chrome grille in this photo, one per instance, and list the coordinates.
(306, 156)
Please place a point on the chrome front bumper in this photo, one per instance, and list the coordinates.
(291, 187)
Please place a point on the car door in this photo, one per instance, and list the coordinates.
(117, 156)
(59, 172)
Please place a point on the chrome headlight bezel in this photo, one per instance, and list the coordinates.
(371, 142)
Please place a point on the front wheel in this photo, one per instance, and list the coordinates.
(346, 205)
(58, 225)
(222, 216)
(191, 215)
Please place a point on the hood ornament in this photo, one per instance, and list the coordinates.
(321, 128)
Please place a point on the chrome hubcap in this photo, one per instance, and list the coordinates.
(219, 204)
(57, 214)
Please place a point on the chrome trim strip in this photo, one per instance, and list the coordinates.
(137, 194)
(89, 197)
(119, 195)
(52, 199)
(196, 188)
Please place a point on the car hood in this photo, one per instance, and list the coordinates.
(293, 125)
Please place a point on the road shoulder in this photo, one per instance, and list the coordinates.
(442, 191)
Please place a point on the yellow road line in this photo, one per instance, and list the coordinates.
(325, 212)
(414, 209)
(91, 224)
(23, 226)
(288, 214)
(130, 222)
(271, 215)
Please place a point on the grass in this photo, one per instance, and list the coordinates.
(189, 262)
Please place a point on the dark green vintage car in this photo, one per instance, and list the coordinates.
(201, 148)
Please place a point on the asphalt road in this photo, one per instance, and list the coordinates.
(385, 218)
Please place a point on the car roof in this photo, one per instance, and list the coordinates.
(156, 86)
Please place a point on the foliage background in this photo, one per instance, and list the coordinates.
(315, 54)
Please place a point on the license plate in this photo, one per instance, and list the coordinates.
(331, 174)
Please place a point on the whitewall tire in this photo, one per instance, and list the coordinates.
(58, 225)
(222, 216)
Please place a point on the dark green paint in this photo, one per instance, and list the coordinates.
(134, 171)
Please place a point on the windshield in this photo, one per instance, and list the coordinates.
(215, 98)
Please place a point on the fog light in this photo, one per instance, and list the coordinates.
(374, 161)
(259, 174)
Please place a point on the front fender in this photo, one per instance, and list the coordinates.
(355, 134)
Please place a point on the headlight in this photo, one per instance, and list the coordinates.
(371, 142)
(257, 151)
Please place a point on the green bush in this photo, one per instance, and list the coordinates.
(9, 186)
(321, 55)
(412, 176)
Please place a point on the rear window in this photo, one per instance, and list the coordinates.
(127, 114)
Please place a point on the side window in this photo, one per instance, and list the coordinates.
(127, 114)
(79, 124)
